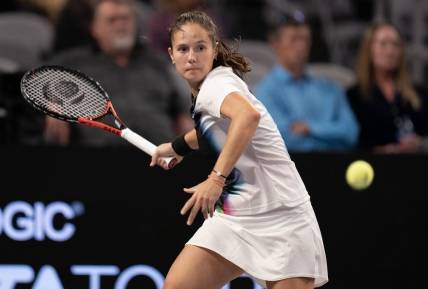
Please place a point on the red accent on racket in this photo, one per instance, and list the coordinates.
(72, 96)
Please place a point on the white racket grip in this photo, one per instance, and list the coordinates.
(143, 144)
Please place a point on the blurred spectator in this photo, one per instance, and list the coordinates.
(392, 115)
(73, 23)
(137, 80)
(168, 11)
(312, 114)
(274, 10)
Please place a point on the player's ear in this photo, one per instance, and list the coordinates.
(170, 55)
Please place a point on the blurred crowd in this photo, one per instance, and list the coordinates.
(335, 76)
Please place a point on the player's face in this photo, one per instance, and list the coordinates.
(114, 27)
(386, 49)
(193, 53)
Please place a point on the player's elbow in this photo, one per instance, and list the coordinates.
(248, 117)
(254, 116)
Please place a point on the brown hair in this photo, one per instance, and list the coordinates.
(225, 55)
(365, 70)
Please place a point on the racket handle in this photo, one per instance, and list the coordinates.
(144, 145)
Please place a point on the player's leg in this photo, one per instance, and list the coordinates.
(199, 268)
(292, 283)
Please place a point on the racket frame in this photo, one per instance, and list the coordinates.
(123, 131)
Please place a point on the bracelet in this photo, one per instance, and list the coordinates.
(180, 146)
(219, 174)
(216, 181)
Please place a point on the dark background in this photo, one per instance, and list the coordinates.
(375, 238)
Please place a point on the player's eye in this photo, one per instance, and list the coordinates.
(182, 48)
(200, 48)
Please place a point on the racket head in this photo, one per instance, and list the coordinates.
(64, 93)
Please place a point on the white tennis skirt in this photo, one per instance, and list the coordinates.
(272, 246)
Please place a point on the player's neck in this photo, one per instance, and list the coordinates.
(195, 92)
(195, 87)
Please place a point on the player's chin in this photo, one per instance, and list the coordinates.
(193, 76)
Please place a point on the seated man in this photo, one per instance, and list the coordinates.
(312, 114)
(138, 81)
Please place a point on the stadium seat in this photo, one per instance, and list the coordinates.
(28, 39)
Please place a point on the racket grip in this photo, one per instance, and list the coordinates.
(143, 144)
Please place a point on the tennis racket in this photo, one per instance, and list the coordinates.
(72, 96)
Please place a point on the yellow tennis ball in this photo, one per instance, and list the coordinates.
(359, 175)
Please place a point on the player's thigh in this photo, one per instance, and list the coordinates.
(199, 268)
(292, 283)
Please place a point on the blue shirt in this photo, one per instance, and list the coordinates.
(320, 103)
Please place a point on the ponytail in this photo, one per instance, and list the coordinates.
(229, 57)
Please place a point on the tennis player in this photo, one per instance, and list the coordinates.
(258, 215)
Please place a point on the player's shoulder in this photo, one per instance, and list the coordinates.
(220, 82)
(221, 74)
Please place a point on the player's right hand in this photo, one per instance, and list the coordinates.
(164, 150)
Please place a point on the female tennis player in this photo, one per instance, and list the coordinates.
(258, 216)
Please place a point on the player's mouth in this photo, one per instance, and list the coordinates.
(192, 69)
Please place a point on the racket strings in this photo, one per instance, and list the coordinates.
(66, 94)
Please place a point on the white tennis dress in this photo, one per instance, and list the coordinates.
(264, 222)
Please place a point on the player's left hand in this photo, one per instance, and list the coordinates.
(204, 196)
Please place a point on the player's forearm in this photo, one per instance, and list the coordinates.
(192, 139)
(240, 132)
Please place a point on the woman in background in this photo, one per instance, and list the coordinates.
(392, 114)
